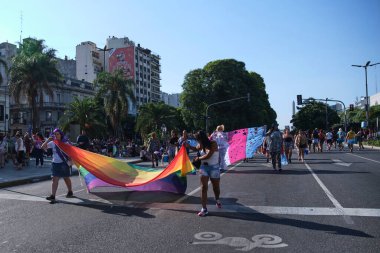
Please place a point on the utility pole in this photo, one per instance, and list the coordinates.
(368, 64)
(248, 97)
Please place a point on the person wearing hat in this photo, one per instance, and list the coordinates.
(221, 139)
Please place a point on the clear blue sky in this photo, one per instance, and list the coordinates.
(298, 46)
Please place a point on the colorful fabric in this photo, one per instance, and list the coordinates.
(99, 170)
(243, 143)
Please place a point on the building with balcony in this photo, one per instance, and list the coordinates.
(7, 51)
(52, 108)
(139, 64)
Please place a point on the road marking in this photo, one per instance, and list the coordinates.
(285, 210)
(364, 158)
(199, 188)
(240, 243)
(339, 162)
(335, 202)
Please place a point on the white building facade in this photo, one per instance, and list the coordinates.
(171, 99)
(88, 61)
(7, 51)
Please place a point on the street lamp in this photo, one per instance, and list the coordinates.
(104, 50)
(368, 64)
(248, 97)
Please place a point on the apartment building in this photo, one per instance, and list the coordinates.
(7, 51)
(171, 99)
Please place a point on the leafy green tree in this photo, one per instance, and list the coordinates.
(223, 80)
(153, 115)
(116, 91)
(3, 62)
(31, 74)
(87, 114)
(313, 115)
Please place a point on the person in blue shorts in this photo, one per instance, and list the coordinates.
(209, 169)
(60, 168)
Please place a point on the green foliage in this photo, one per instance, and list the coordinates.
(87, 114)
(313, 115)
(373, 143)
(153, 115)
(223, 80)
(33, 70)
(115, 91)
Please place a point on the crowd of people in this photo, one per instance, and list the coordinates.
(317, 140)
(211, 148)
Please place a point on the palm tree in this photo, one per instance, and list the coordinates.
(153, 115)
(87, 114)
(32, 73)
(115, 90)
(3, 62)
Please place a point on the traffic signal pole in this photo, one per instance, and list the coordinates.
(331, 100)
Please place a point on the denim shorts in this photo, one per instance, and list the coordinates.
(211, 171)
(60, 170)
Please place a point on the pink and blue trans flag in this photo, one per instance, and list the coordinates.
(243, 143)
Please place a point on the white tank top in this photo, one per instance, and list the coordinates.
(213, 160)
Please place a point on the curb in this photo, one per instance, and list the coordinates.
(367, 147)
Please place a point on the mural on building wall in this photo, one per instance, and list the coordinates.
(123, 58)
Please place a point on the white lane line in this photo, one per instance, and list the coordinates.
(284, 210)
(199, 188)
(335, 202)
(364, 158)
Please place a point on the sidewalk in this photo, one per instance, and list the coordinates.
(9, 176)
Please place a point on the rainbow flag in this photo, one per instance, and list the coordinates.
(100, 171)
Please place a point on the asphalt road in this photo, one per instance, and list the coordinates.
(330, 203)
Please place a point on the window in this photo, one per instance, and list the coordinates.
(48, 116)
(2, 112)
(59, 98)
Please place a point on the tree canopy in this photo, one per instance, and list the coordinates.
(116, 91)
(153, 115)
(313, 115)
(224, 80)
(87, 114)
(32, 72)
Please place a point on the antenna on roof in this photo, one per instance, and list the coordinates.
(21, 27)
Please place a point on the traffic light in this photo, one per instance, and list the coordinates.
(299, 99)
(351, 107)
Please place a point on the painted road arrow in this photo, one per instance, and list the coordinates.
(339, 162)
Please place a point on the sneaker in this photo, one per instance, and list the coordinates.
(70, 194)
(51, 198)
(203, 212)
(218, 204)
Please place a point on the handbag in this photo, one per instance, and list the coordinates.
(284, 161)
(197, 163)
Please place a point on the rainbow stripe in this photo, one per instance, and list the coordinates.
(99, 170)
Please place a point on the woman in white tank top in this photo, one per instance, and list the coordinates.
(209, 169)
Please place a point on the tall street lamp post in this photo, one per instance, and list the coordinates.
(104, 50)
(368, 64)
(248, 97)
